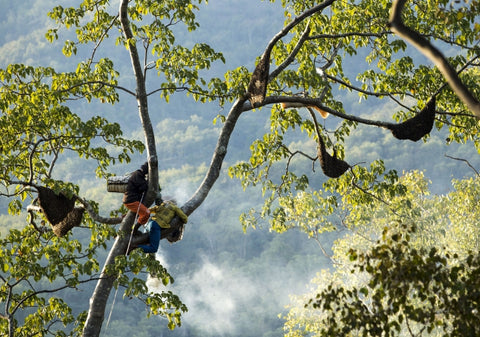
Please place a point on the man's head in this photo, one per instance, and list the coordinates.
(158, 199)
(144, 168)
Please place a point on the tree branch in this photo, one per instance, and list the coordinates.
(360, 90)
(309, 101)
(19, 303)
(427, 49)
(344, 35)
(466, 161)
(97, 217)
(98, 82)
(260, 77)
(42, 229)
(94, 215)
(292, 55)
(217, 158)
(102, 38)
(303, 38)
(98, 301)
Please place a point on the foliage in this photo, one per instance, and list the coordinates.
(410, 289)
(34, 266)
(357, 33)
(412, 279)
(314, 54)
(39, 124)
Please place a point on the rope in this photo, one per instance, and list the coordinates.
(126, 253)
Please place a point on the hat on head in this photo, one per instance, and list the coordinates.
(144, 167)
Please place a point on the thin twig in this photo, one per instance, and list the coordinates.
(466, 161)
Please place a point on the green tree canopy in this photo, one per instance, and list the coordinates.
(323, 53)
(408, 266)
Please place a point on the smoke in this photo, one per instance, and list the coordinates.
(154, 284)
(243, 296)
(213, 296)
(178, 189)
(221, 299)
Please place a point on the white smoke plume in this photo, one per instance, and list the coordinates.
(212, 296)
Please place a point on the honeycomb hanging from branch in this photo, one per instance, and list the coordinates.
(59, 210)
(257, 87)
(332, 166)
(418, 126)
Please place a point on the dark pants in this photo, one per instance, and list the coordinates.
(155, 232)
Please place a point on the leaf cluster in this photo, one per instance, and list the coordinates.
(155, 26)
(164, 303)
(35, 270)
(413, 289)
(408, 266)
(38, 125)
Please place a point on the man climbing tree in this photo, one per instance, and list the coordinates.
(162, 215)
(137, 186)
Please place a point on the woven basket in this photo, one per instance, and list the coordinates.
(177, 234)
(117, 184)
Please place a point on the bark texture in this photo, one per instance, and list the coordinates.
(98, 301)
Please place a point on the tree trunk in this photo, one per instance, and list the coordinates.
(98, 301)
(217, 158)
(99, 298)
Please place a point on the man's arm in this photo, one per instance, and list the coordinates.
(181, 215)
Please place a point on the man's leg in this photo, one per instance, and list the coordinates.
(143, 214)
(155, 234)
(142, 211)
(154, 238)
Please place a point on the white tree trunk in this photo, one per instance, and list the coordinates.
(98, 301)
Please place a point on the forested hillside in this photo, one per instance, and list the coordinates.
(234, 281)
